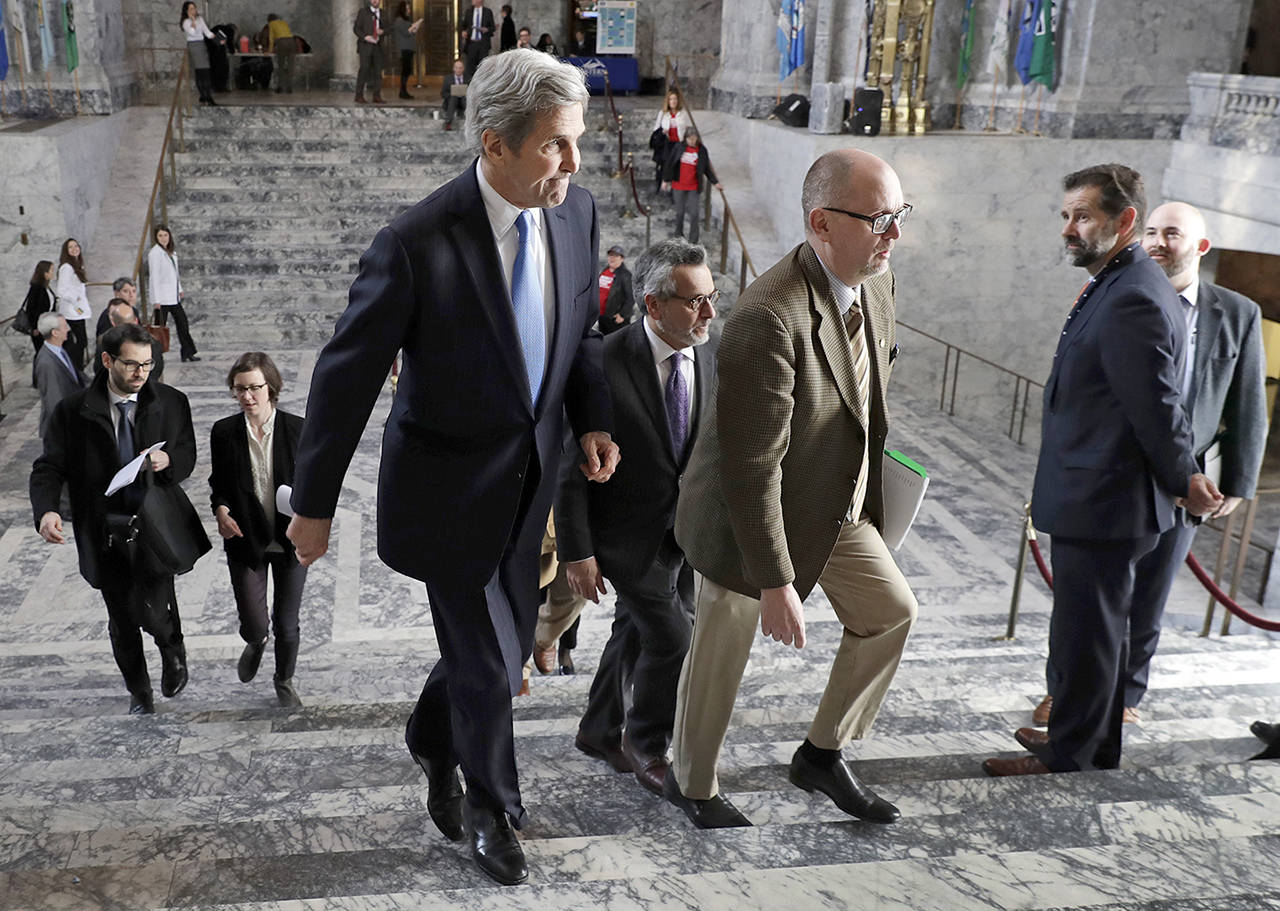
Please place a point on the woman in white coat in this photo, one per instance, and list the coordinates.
(166, 288)
(73, 300)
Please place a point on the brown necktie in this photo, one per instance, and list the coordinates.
(862, 376)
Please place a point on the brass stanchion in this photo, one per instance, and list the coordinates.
(1218, 566)
(1028, 534)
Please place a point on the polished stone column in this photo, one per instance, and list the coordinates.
(747, 83)
(345, 61)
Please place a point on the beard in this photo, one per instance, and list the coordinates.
(688, 338)
(1170, 265)
(1081, 252)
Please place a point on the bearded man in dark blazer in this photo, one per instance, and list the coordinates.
(488, 287)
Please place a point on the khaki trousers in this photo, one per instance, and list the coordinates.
(558, 612)
(871, 599)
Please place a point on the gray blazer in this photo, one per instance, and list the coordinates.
(1227, 400)
(55, 383)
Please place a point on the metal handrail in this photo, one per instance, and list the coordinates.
(627, 167)
(176, 106)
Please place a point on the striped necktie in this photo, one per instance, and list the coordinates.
(862, 379)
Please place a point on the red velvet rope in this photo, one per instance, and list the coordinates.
(1198, 571)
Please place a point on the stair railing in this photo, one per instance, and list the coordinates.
(626, 165)
(179, 108)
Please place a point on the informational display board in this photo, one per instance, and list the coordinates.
(616, 30)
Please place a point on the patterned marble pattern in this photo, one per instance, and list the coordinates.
(224, 801)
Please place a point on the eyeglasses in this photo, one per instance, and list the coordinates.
(879, 223)
(134, 366)
(254, 389)
(698, 301)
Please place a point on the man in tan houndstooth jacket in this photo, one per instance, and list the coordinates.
(783, 490)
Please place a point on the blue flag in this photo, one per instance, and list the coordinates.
(4, 47)
(1031, 13)
(790, 37)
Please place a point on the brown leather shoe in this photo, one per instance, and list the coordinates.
(650, 771)
(1041, 715)
(1023, 765)
(609, 752)
(360, 99)
(1032, 738)
(1131, 715)
(377, 99)
(544, 659)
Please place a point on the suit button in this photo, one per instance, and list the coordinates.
(882, 343)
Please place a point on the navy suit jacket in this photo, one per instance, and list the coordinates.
(1116, 442)
(622, 522)
(465, 453)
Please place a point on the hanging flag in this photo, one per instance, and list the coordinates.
(998, 49)
(46, 38)
(1026, 38)
(967, 23)
(790, 37)
(69, 25)
(1041, 68)
(4, 47)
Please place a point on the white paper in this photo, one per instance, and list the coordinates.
(283, 493)
(126, 476)
(903, 492)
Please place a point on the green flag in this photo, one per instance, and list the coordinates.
(69, 24)
(1042, 51)
(967, 22)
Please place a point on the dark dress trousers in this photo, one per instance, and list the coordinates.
(626, 524)
(1227, 403)
(469, 462)
(372, 56)
(1115, 450)
(620, 302)
(231, 485)
(80, 451)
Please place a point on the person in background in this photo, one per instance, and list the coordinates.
(580, 46)
(525, 38)
(508, 40)
(617, 297)
(56, 376)
(119, 312)
(668, 130)
(40, 299)
(166, 289)
(476, 32)
(73, 301)
(252, 454)
(406, 30)
(124, 289)
(280, 41)
(453, 104)
(546, 45)
(370, 45)
(688, 163)
(195, 30)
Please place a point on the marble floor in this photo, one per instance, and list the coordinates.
(222, 800)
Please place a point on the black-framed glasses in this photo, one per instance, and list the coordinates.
(134, 366)
(879, 223)
(252, 389)
(697, 302)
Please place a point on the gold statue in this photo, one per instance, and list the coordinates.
(900, 33)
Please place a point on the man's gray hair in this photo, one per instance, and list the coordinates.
(653, 274)
(511, 90)
(47, 322)
(121, 282)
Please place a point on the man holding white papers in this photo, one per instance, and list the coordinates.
(92, 434)
(783, 490)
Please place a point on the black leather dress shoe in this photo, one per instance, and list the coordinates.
(650, 768)
(444, 796)
(142, 704)
(250, 658)
(1264, 731)
(565, 659)
(173, 671)
(494, 845)
(609, 752)
(839, 783)
(713, 813)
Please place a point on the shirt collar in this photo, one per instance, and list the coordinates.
(116, 399)
(502, 214)
(267, 426)
(845, 296)
(660, 349)
(1191, 293)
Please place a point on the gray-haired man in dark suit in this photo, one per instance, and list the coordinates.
(56, 377)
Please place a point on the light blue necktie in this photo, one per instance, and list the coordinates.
(526, 300)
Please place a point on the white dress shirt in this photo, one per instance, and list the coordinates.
(502, 221)
(662, 362)
(1191, 312)
(197, 30)
(114, 399)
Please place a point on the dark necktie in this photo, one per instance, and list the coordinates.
(677, 395)
(124, 433)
